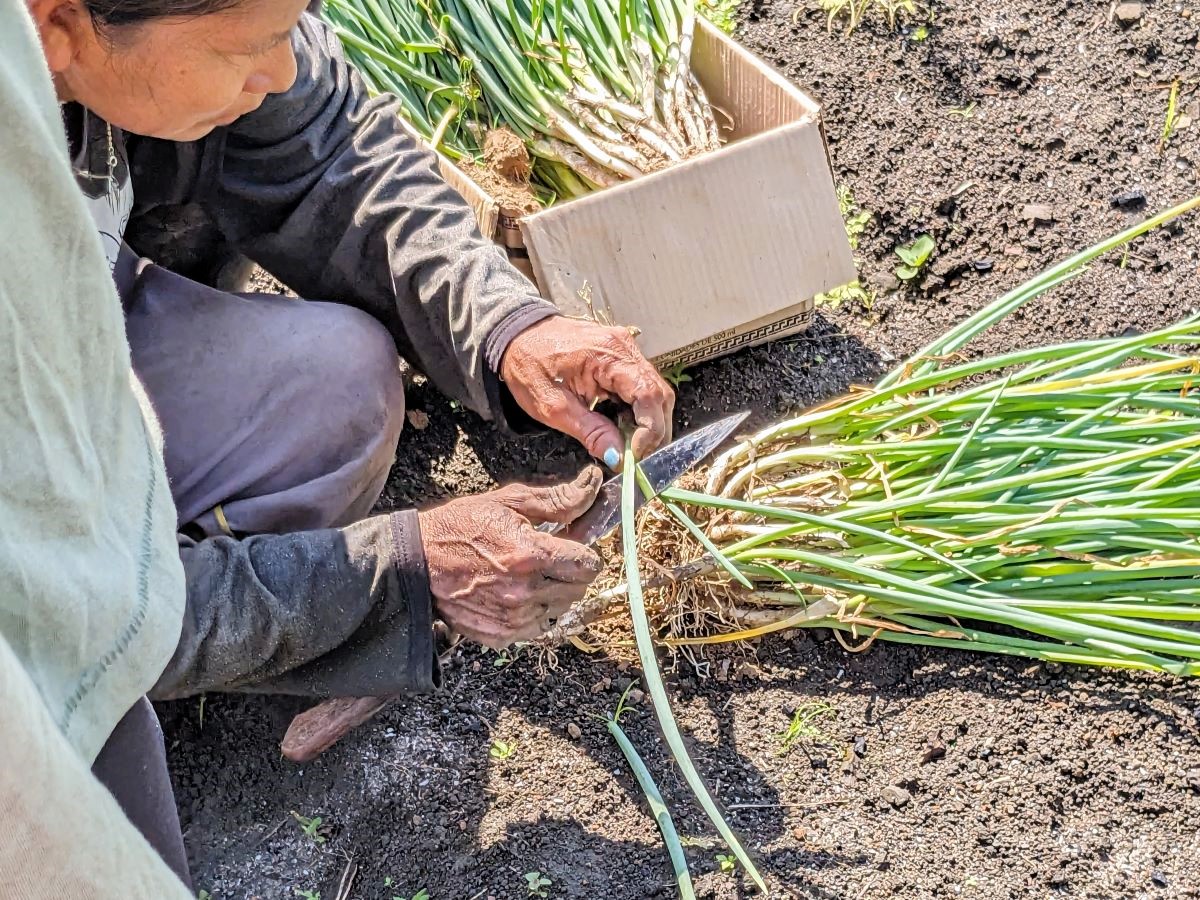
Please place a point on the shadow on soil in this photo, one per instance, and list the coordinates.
(417, 794)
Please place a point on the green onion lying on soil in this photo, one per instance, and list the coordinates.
(662, 816)
(1042, 503)
(597, 91)
(654, 682)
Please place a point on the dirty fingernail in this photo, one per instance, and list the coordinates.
(611, 457)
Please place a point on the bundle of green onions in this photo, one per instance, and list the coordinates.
(599, 91)
(1043, 503)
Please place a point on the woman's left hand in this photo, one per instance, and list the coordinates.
(559, 368)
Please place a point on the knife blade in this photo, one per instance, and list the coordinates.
(661, 468)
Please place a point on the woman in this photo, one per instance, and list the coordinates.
(280, 417)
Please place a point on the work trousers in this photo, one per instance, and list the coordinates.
(278, 415)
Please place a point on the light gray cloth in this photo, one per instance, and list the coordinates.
(91, 587)
(65, 837)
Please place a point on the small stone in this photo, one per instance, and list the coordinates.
(896, 796)
(860, 746)
(574, 731)
(1042, 213)
(418, 419)
(1159, 879)
(982, 265)
(602, 685)
(1128, 13)
(799, 832)
(636, 696)
(1132, 199)
(1059, 877)
(1193, 779)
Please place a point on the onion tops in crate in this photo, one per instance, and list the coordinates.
(599, 91)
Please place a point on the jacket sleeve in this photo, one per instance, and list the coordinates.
(323, 188)
(335, 612)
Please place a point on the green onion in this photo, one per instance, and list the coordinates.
(1039, 503)
(600, 91)
(658, 808)
(654, 682)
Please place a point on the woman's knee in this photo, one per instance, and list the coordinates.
(359, 371)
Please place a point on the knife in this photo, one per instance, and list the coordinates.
(661, 468)
(319, 728)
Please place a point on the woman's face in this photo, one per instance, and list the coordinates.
(174, 78)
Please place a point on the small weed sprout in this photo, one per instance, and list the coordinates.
(914, 256)
(677, 375)
(894, 7)
(854, 11)
(538, 884)
(962, 112)
(502, 749)
(204, 895)
(857, 220)
(803, 725)
(310, 827)
(505, 658)
(422, 894)
(722, 13)
(727, 862)
(307, 895)
(852, 292)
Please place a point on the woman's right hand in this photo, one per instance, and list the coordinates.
(494, 577)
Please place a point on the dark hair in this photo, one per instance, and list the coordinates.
(116, 13)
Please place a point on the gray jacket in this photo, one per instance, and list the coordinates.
(324, 189)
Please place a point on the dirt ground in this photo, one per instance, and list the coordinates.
(936, 773)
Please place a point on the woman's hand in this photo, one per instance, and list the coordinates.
(558, 368)
(496, 579)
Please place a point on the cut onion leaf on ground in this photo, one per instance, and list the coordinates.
(658, 808)
(600, 91)
(650, 670)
